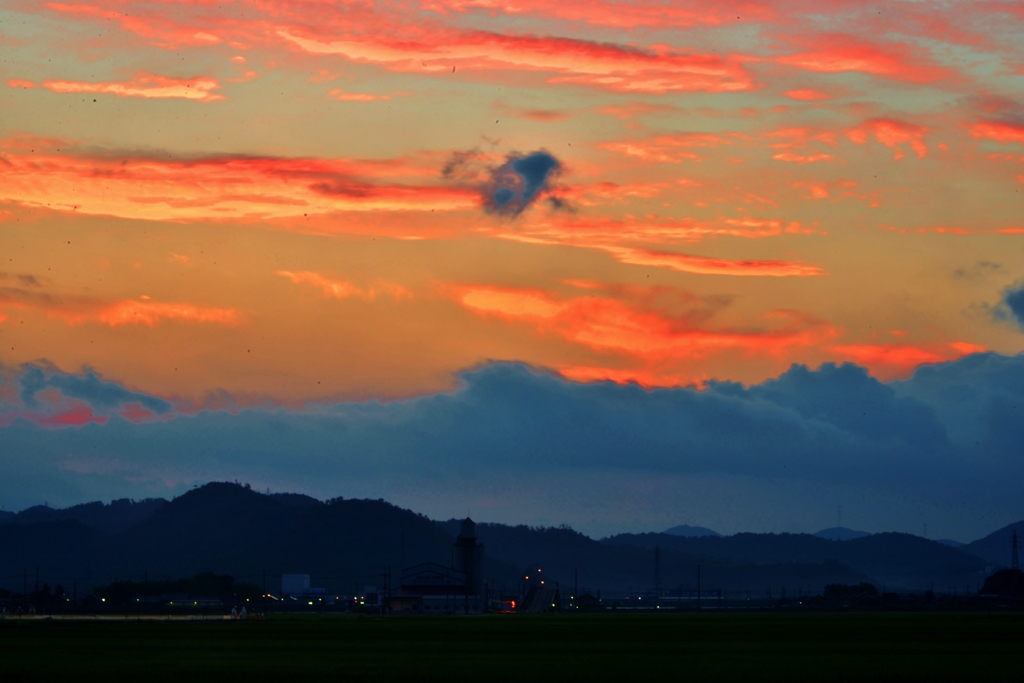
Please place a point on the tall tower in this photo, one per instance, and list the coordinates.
(657, 570)
(469, 558)
(1015, 560)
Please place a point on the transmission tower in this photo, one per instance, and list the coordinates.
(1015, 560)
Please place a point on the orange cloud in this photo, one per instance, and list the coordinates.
(807, 95)
(648, 379)
(703, 265)
(343, 289)
(615, 13)
(1000, 132)
(837, 53)
(339, 94)
(584, 62)
(218, 188)
(801, 158)
(667, 148)
(892, 133)
(898, 361)
(639, 322)
(511, 303)
(74, 417)
(145, 85)
(80, 310)
(151, 312)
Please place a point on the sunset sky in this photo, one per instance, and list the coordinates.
(504, 256)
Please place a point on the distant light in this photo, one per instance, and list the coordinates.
(103, 599)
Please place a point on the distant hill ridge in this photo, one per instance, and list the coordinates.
(688, 531)
(113, 517)
(841, 533)
(344, 544)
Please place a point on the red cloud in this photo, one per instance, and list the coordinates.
(1000, 132)
(578, 61)
(216, 188)
(80, 310)
(145, 85)
(75, 417)
(898, 361)
(618, 13)
(892, 133)
(667, 148)
(807, 95)
(343, 289)
(151, 312)
(654, 325)
(838, 53)
(703, 265)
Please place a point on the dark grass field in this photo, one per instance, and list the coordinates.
(506, 647)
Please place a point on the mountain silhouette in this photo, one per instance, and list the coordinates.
(344, 545)
(997, 547)
(840, 533)
(688, 531)
(116, 516)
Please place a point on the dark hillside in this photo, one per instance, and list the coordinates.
(623, 567)
(897, 560)
(347, 542)
(62, 551)
(115, 517)
(997, 547)
(200, 530)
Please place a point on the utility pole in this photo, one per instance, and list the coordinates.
(264, 593)
(698, 587)
(657, 570)
(1015, 559)
(24, 587)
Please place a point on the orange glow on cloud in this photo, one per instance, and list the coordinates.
(898, 361)
(801, 158)
(835, 54)
(609, 324)
(703, 265)
(511, 303)
(648, 379)
(75, 417)
(667, 148)
(216, 188)
(343, 289)
(151, 312)
(807, 95)
(339, 94)
(145, 85)
(588, 63)
(1000, 132)
(618, 14)
(892, 134)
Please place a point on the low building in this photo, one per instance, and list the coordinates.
(435, 589)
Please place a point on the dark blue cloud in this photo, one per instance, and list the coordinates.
(1013, 298)
(510, 187)
(516, 184)
(88, 387)
(529, 446)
